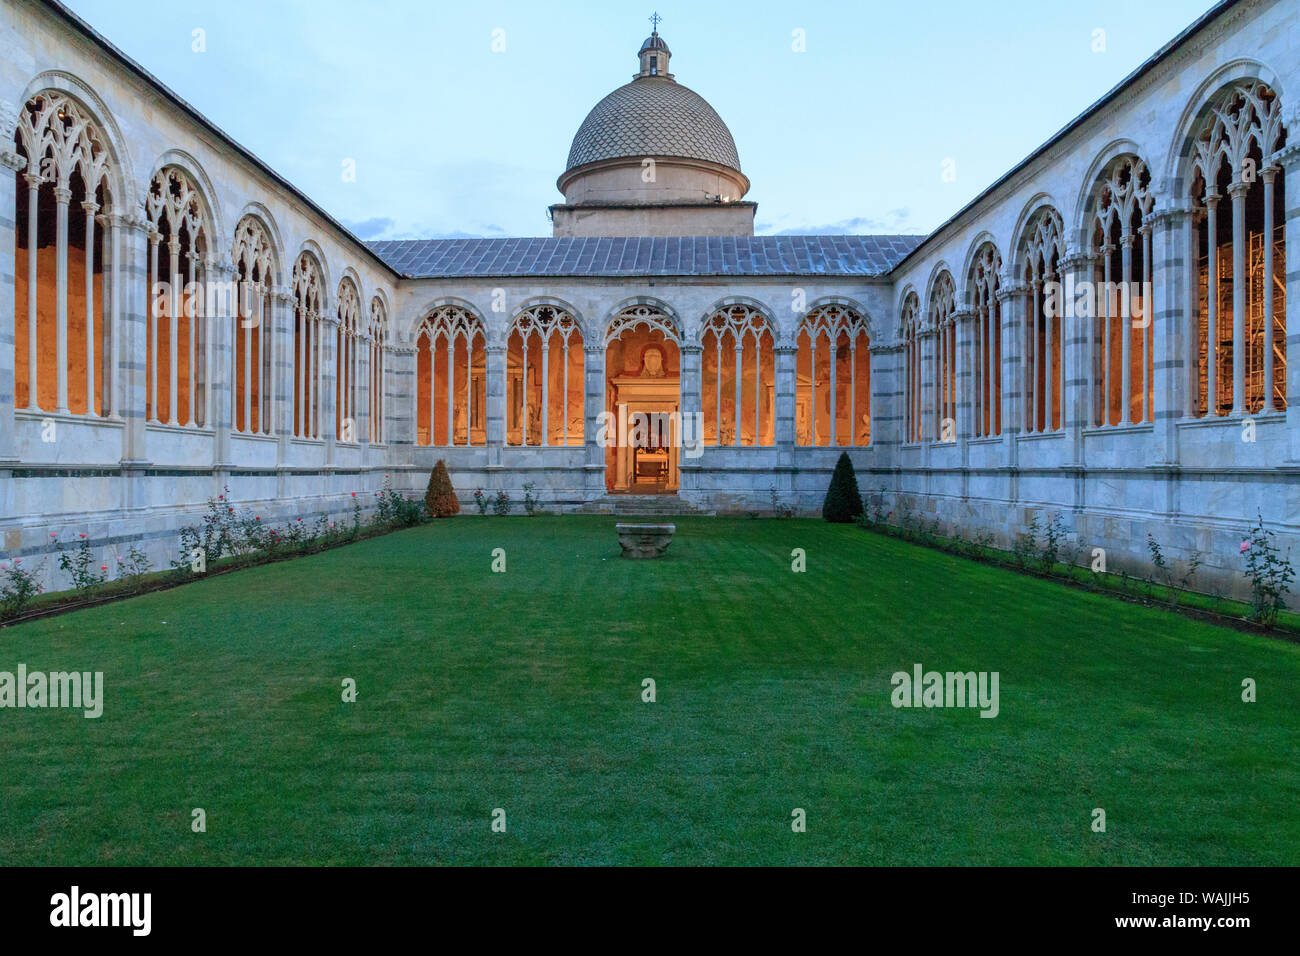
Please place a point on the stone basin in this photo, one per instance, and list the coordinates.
(644, 540)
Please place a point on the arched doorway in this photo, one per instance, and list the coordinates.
(642, 402)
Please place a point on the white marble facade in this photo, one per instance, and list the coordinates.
(1170, 470)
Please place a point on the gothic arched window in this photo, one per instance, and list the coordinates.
(450, 375)
(737, 377)
(251, 369)
(64, 351)
(347, 356)
(1043, 370)
(178, 344)
(833, 372)
(910, 333)
(1239, 346)
(378, 335)
(1121, 241)
(309, 347)
(986, 348)
(544, 362)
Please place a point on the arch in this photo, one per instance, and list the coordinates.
(347, 358)
(1181, 152)
(450, 376)
(730, 300)
(275, 244)
(440, 302)
(982, 239)
(983, 283)
(863, 317)
(310, 304)
(941, 290)
(178, 348)
(206, 192)
(122, 180)
(907, 289)
(1084, 203)
(312, 247)
(350, 273)
(743, 337)
(65, 357)
(377, 337)
(910, 323)
(544, 375)
(555, 303)
(644, 311)
(836, 404)
(1227, 171)
(937, 275)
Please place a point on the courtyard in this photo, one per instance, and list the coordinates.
(522, 691)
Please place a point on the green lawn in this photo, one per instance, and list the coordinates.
(522, 691)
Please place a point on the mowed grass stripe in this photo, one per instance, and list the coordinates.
(522, 690)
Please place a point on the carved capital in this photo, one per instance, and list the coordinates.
(62, 195)
(1078, 262)
(1012, 290)
(1288, 157)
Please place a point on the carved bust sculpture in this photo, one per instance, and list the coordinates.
(652, 362)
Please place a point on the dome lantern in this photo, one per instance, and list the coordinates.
(654, 54)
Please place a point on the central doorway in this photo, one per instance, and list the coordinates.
(643, 399)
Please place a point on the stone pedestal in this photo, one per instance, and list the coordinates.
(644, 540)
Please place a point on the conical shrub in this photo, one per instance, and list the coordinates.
(843, 502)
(440, 499)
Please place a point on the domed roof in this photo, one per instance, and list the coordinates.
(653, 116)
(654, 42)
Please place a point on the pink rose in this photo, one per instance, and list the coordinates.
(1245, 546)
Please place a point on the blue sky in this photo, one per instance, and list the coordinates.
(450, 138)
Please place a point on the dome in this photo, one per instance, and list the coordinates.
(653, 116)
(653, 42)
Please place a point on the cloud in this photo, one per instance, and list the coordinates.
(893, 222)
(370, 228)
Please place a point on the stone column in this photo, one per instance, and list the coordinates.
(1078, 339)
(221, 327)
(329, 326)
(363, 343)
(785, 356)
(1013, 307)
(280, 338)
(495, 431)
(133, 325)
(964, 320)
(1289, 160)
(593, 373)
(400, 421)
(928, 340)
(886, 402)
(692, 409)
(1173, 328)
(1238, 193)
(10, 162)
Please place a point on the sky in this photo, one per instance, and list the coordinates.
(455, 119)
